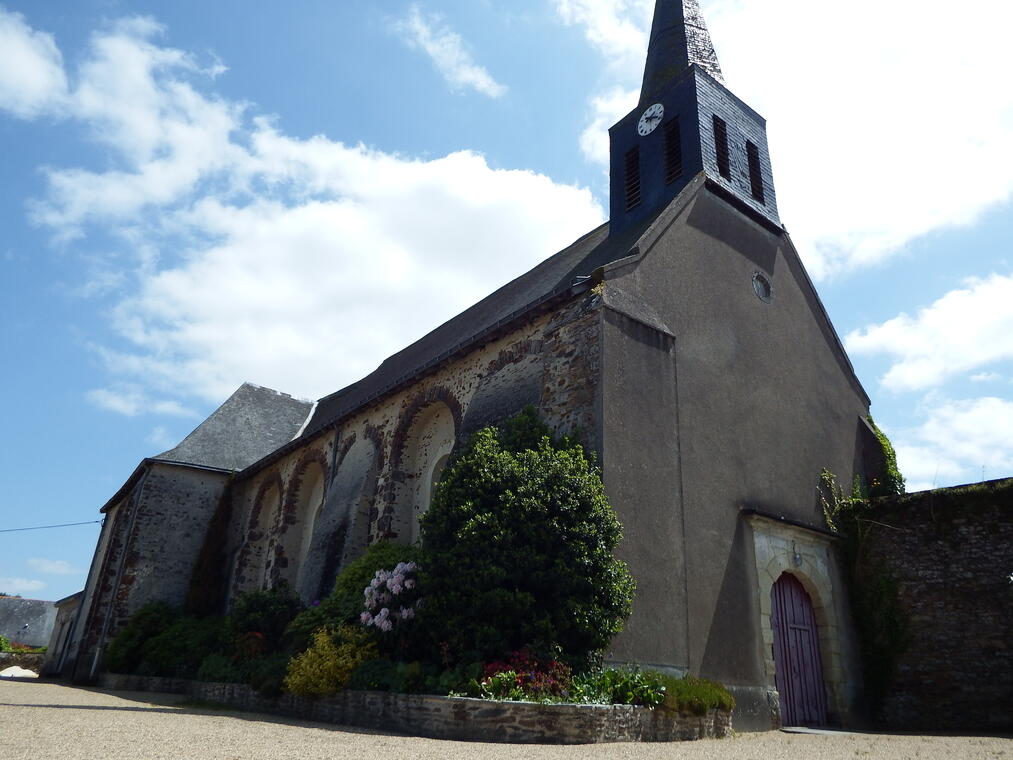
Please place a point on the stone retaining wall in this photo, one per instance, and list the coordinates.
(453, 717)
(950, 552)
(21, 660)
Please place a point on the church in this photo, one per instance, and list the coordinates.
(682, 342)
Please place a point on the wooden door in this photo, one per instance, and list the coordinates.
(797, 664)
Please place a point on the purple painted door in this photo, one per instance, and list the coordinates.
(797, 664)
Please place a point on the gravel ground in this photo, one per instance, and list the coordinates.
(40, 720)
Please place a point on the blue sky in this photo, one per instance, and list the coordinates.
(197, 194)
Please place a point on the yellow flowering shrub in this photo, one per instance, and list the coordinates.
(326, 666)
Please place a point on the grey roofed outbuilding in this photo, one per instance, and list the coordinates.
(253, 422)
(27, 621)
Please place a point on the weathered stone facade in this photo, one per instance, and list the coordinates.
(297, 518)
(949, 552)
(149, 544)
(454, 717)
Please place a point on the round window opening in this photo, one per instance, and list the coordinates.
(761, 286)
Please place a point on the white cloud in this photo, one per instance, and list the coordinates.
(606, 110)
(20, 586)
(32, 81)
(294, 263)
(958, 441)
(966, 329)
(864, 162)
(618, 29)
(448, 53)
(131, 400)
(53, 567)
(985, 377)
(161, 438)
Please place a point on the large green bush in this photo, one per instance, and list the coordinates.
(267, 613)
(126, 650)
(178, 650)
(518, 550)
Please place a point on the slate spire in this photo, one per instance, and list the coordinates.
(679, 37)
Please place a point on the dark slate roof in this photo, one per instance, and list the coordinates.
(554, 276)
(253, 422)
(679, 38)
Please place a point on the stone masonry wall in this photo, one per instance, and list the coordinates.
(371, 489)
(950, 552)
(456, 718)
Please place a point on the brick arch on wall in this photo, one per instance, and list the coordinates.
(255, 532)
(288, 516)
(396, 521)
(340, 452)
(436, 393)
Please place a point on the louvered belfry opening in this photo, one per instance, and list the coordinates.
(632, 169)
(755, 176)
(721, 147)
(673, 151)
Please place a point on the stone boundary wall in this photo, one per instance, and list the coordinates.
(454, 718)
(28, 661)
(950, 551)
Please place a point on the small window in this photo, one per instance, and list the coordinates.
(761, 286)
(721, 147)
(632, 178)
(673, 150)
(755, 175)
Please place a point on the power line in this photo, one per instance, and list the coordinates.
(47, 527)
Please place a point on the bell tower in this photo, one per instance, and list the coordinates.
(687, 122)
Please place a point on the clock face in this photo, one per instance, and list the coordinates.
(650, 119)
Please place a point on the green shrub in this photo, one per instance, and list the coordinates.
(537, 678)
(345, 603)
(502, 685)
(267, 613)
(179, 650)
(518, 550)
(618, 686)
(266, 675)
(631, 686)
(326, 666)
(219, 668)
(373, 675)
(125, 652)
(463, 679)
(694, 695)
(5, 644)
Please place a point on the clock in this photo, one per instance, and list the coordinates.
(650, 119)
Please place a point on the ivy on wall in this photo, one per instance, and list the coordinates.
(881, 622)
(891, 481)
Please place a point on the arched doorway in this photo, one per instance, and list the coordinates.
(798, 668)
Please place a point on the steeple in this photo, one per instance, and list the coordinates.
(679, 37)
(687, 124)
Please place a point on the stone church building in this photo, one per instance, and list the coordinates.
(683, 341)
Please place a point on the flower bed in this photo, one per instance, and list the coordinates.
(455, 718)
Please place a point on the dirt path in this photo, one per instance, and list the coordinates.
(41, 720)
